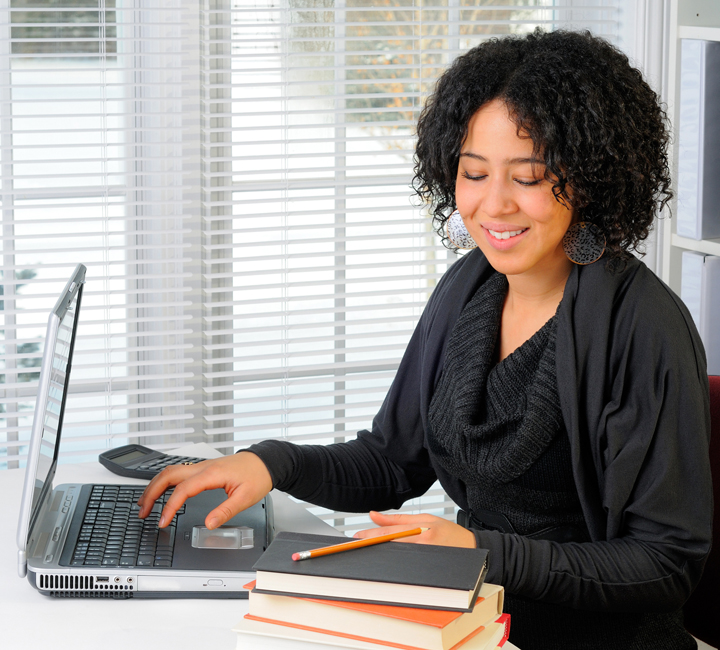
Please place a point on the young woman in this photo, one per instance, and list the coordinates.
(554, 386)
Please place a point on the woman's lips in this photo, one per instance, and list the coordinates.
(505, 239)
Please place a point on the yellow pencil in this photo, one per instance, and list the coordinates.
(358, 543)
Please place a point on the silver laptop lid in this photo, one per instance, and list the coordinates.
(49, 409)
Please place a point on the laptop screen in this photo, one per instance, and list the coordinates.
(50, 404)
(56, 393)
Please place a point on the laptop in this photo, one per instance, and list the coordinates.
(86, 540)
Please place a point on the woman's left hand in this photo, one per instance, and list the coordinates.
(441, 531)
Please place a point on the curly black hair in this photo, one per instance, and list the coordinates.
(592, 118)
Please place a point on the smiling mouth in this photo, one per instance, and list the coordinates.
(506, 234)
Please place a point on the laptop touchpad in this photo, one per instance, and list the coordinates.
(225, 537)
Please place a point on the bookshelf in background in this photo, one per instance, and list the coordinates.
(697, 20)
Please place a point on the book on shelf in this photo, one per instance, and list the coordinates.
(698, 193)
(700, 291)
(422, 629)
(397, 573)
(259, 635)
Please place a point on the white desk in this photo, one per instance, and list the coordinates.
(30, 621)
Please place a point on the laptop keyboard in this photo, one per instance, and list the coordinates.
(111, 534)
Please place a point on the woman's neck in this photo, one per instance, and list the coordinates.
(540, 289)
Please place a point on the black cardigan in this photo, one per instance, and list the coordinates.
(633, 389)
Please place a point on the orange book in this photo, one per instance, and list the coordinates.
(408, 628)
(266, 635)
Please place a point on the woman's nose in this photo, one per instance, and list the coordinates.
(497, 199)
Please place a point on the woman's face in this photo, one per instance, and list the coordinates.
(507, 205)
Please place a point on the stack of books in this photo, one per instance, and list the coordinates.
(407, 596)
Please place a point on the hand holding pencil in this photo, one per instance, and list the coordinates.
(429, 530)
(442, 532)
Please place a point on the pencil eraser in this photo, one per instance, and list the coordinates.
(295, 556)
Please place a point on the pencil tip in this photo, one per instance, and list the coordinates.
(423, 530)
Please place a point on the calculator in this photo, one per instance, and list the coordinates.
(137, 461)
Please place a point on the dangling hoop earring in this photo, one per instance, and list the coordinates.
(584, 243)
(458, 234)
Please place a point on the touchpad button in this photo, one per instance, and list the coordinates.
(225, 537)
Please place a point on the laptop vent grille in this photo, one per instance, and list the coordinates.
(92, 594)
(66, 582)
(82, 586)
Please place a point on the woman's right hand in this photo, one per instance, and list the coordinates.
(243, 476)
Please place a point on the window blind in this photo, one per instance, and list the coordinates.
(92, 172)
(318, 262)
(235, 174)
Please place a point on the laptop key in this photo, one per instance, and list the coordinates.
(166, 537)
(163, 563)
(145, 560)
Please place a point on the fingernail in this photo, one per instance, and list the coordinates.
(162, 522)
(213, 523)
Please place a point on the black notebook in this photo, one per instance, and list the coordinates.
(416, 575)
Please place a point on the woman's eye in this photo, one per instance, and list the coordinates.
(470, 177)
(537, 181)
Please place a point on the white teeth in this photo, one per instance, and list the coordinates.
(506, 234)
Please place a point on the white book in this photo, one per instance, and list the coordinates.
(698, 196)
(256, 635)
(700, 291)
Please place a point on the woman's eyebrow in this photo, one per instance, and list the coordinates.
(509, 161)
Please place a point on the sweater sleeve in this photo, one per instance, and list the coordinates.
(619, 575)
(348, 476)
